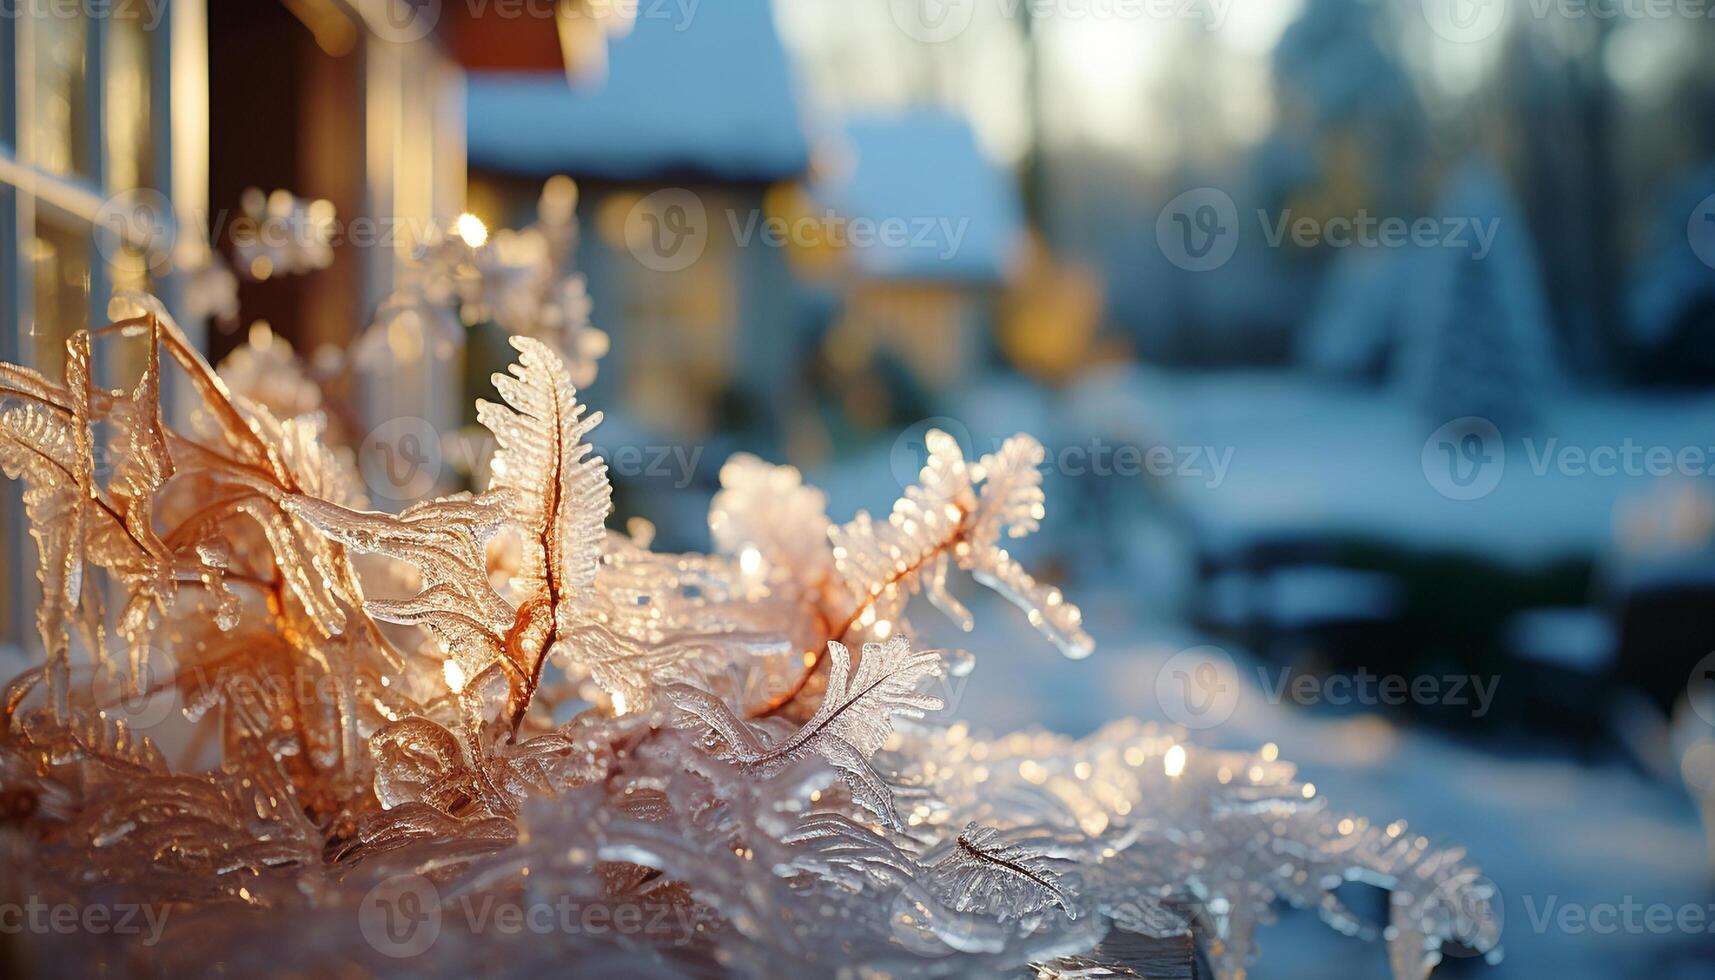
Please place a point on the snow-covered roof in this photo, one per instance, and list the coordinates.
(921, 173)
(709, 95)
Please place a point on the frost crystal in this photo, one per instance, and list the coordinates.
(358, 703)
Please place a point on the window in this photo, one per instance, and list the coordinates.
(78, 127)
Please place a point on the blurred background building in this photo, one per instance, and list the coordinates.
(1153, 233)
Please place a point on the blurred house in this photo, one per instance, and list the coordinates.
(677, 147)
(932, 230)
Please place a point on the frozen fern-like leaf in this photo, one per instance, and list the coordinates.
(559, 496)
(443, 539)
(839, 848)
(546, 484)
(855, 718)
(559, 491)
(766, 516)
(959, 512)
(984, 872)
(1011, 501)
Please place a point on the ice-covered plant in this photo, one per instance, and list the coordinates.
(492, 697)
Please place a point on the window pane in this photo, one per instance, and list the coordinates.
(59, 256)
(128, 117)
(59, 110)
(8, 69)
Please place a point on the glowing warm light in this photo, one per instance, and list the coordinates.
(454, 675)
(619, 703)
(750, 561)
(1173, 763)
(471, 229)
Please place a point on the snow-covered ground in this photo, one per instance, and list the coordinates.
(1551, 831)
(1314, 457)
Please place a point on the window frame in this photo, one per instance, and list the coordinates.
(30, 195)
